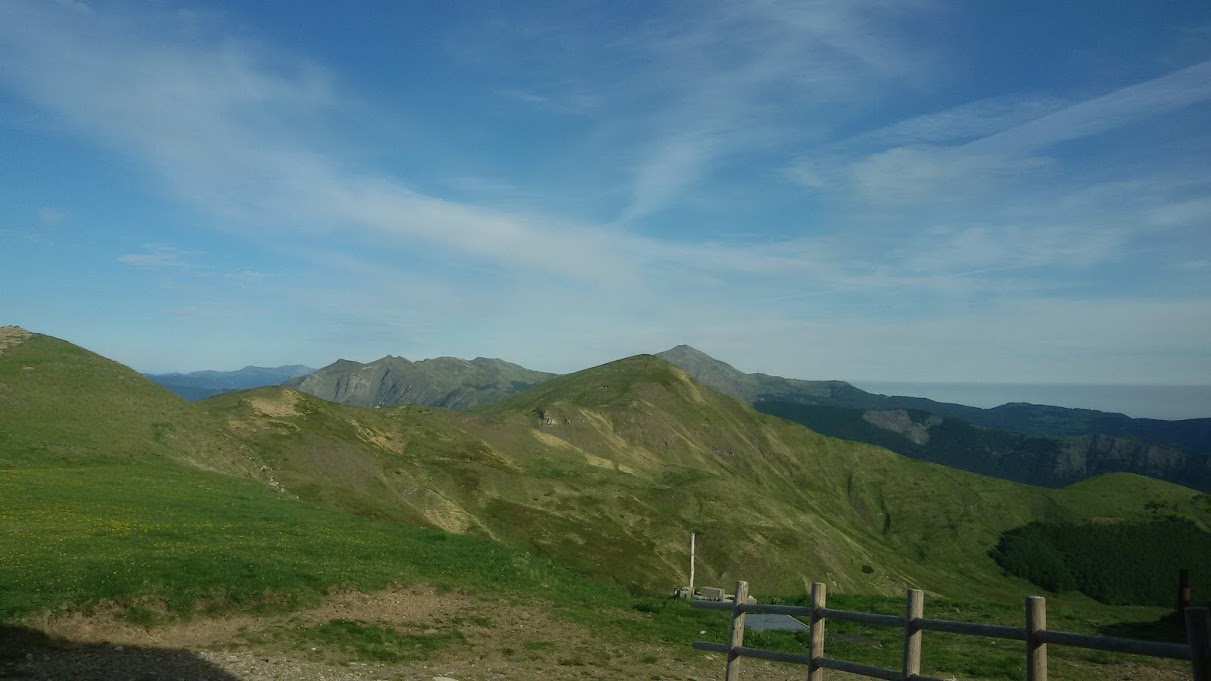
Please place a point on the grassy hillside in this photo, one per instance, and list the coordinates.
(76, 534)
(609, 469)
(590, 479)
(605, 471)
(197, 543)
(63, 403)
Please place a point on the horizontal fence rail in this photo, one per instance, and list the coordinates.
(1035, 634)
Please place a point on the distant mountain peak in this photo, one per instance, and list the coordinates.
(729, 380)
(684, 349)
(450, 382)
(682, 354)
(197, 385)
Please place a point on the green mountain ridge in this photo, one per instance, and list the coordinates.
(605, 471)
(753, 387)
(440, 382)
(1035, 444)
(59, 402)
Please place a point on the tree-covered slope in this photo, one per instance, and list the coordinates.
(1049, 461)
(1147, 558)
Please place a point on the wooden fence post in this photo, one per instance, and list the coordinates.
(816, 631)
(736, 639)
(1198, 635)
(1183, 589)
(914, 610)
(1036, 650)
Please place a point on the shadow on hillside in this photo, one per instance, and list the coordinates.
(1171, 628)
(29, 654)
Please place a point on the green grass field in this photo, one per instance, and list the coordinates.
(195, 544)
(113, 499)
(127, 533)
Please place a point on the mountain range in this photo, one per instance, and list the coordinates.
(1033, 444)
(1034, 419)
(605, 471)
(440, 382)
(199, 385)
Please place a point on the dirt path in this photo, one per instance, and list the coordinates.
(484, 640)
(447, 636)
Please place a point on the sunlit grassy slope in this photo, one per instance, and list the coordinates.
(609, 469)
(119, 531)
(63, 403)
(605, 472)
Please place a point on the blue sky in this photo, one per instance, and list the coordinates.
(895, 191)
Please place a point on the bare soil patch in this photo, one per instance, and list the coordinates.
(282, 404)
(499, 640)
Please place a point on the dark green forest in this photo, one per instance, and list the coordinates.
(1032, 459)
(1116, 563)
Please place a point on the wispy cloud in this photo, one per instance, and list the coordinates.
(966, 122)
(958, 212)
(737, 75)
(249, 278)
(934, 174)
(1113, 110)
(222, 122)
(926, 158)
(562, 104)
(157, 257)
(50, 217)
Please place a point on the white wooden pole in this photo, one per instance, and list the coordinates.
(692, 536)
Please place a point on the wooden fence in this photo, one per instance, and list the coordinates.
(1035, 634)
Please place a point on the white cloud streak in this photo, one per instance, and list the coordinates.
(221, 126)
(1116, 109)
(233, 128)
(738, 72)
(988, 142)
(157, 257)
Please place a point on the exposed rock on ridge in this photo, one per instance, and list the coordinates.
(12, 335)
(441, 382)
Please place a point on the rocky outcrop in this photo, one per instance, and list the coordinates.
(441, 382)
(12, 335)
(900, 422)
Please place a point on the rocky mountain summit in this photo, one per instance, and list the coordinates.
(440, 382)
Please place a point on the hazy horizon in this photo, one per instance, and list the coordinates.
(1168, 402)
(1157, 401)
